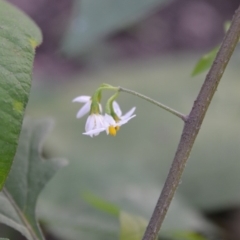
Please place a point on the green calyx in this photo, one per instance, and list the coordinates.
(109, 107)
(96, 99)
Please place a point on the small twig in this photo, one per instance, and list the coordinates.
(192, 126)
(174, 112)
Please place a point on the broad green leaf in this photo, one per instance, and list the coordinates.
(131, 227)
(19, 37)
(93, 20)
(205, 62)
(28, 176)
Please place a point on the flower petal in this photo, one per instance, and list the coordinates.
(128, 114)
(84, 110)
(90, 123)
(117, 109)
(99, 121)
(94, 132)
(123, 121)
(82, 99)
(109, 120)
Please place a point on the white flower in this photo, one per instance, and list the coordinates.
(109, 124)
(113, 126)
(118, 111)
(86, 107)
(94, 122)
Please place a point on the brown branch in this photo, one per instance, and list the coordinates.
(192, 126)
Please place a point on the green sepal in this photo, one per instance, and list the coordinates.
(96, 99)
(109, 106)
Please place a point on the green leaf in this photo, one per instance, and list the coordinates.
(93, 20)
(226, 26)
(18, 38)
(205, 62)
(187, 236)
(28, 176)
(101, 204)
(131, 227)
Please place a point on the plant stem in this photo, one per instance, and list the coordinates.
(192, 126)
(20, 214)
(174, 112)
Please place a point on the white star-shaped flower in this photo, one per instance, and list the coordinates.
(94, 122)
(86, 107)
(118, 111)
(110, 125)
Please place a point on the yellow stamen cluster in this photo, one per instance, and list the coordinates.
(113, 130)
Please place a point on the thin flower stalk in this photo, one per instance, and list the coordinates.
(174, 112)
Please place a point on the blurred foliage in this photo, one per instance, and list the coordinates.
(93, 20)
(227, 25)
(188, 236)
(101, 204)
(131, 227)
(127, 171)
(205, 62)
(28, 175)
(18, 38)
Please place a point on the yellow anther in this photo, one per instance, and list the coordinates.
(112, 130)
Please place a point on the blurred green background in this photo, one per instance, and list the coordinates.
(150, 47)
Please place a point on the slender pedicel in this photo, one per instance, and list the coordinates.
(174, 112)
